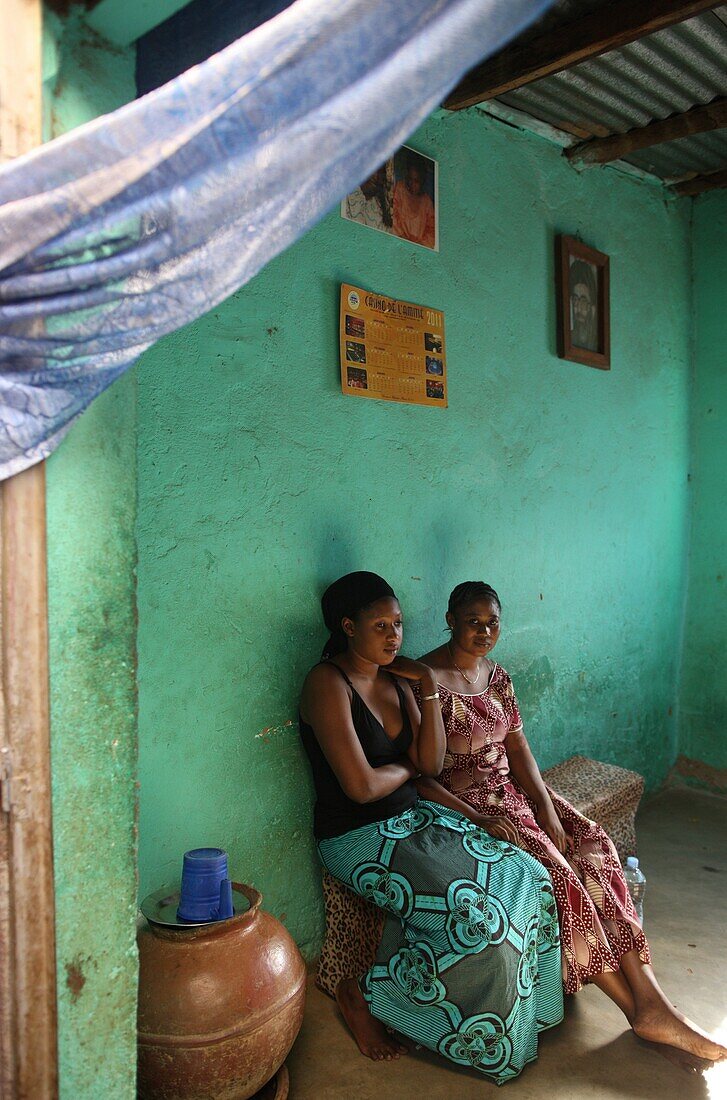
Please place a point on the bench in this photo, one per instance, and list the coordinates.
(604, 793)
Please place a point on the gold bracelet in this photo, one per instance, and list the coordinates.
(426, 698)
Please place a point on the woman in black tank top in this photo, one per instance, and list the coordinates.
(450, 891)
(362, 730)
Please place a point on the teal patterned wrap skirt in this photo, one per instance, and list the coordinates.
(469, 962)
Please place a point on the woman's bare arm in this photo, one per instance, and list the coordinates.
(524, 768)
(326, 706)
(496, 825)
(429, 742)
(526, 774)
(435, 792)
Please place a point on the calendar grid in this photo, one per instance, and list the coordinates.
(392, 350)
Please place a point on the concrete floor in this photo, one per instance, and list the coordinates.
(593, 1055)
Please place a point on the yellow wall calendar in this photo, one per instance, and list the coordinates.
(392, 350)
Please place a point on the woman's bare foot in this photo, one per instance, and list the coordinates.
(690, 1063)
(661, 1023)
(372, 1037)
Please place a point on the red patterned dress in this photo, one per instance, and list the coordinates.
(598, 923)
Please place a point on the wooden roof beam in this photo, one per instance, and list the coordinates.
(698, 120)
(699, 184)
(605, 29)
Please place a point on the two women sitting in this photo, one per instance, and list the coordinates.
(498, 894)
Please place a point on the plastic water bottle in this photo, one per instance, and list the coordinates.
(636, 880)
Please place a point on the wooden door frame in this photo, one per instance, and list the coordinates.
(28, 1020)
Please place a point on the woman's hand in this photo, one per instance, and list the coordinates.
(550, 823)
(499, 827)
(413, 670)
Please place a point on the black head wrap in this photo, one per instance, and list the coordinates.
(468, 592)
(344, 599)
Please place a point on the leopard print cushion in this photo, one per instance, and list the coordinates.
(603, 792)
(353, 931)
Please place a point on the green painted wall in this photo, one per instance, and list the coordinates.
(564, 486)
(703, 696)
(91, 501)
(258, 483)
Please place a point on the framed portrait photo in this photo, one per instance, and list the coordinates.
(400, 198)
(582, 303)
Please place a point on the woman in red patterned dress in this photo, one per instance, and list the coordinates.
(491, 775)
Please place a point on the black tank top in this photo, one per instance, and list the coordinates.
(335, 813)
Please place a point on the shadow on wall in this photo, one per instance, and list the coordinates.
(422, 582)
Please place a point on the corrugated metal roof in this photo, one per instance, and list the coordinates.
(675, 160)
(665, 73)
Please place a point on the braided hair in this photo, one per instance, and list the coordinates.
(468, 592)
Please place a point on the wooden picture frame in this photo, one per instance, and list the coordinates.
(385, 201)
(582, 303)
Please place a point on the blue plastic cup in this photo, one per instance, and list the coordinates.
(226, 908)
(203, 871)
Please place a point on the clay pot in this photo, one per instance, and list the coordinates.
(219, 1005)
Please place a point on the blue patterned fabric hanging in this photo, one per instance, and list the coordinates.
(137, 223)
